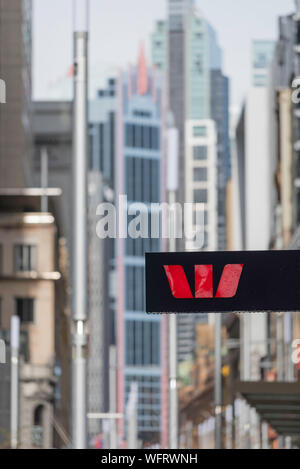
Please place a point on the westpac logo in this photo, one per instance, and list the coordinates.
(203, 278)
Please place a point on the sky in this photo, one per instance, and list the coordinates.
(117, 27)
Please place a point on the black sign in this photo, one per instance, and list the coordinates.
(222, 281)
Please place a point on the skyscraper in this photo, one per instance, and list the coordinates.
(102, 116)
(186, 49)
(262, 53)
(138, 174)
(125, 125)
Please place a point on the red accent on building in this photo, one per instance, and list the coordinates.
(142, 78)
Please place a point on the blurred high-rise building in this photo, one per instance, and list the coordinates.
(102, 116)
(139, 163)
(15, 115)
(262, 53)
(254, 154)
(126, 144)
(186, 50)
(53, 132)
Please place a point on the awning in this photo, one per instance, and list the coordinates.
(277, 403)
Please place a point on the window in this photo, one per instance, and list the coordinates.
(142, 343)
(298, 129)
(138, 136)
(142, 179)
(25, 258)
(200, 174)
(155, 180)
(199, 131)
(260, 80)
(142, 136)
(298, 207)
(148, 408)
(298, 32)
(200, 153)
(24, 308)
(298, 164)
(37, 429)
(154, 138)
(135, 288)
(146, 136)
(200, 195)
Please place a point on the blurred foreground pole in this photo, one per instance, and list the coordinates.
(172, 186)
(113, 395)
(79, 258)
(44, 179)
(14, 384)
(132, 440)
(245, 333)
(218, 380)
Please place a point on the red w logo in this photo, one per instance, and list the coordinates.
(204, 281)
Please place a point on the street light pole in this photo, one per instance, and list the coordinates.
(79, 258)
(14, 384)
(172, 185)
(218, 380)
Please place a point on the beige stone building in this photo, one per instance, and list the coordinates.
(28, 284)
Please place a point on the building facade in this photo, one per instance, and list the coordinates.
(28, 285)
(102, 130)
(125, 128)
(186, 49)
(138, 174)
(16, 160)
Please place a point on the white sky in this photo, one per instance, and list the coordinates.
(118, 26)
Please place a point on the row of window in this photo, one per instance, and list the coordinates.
(148, 408)
(142, 136)
(142, 179)
(138, 247)
(142, 339)
(24, 258)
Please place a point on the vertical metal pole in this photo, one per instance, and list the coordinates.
(79, 239)
(218, 380)
(14, 384)
(132, 416)
(173, 391)
(264, 432)
(279, 348)
(113, 394)
(279, 353)
(44, 179)
(246, 375)
(172, 185)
